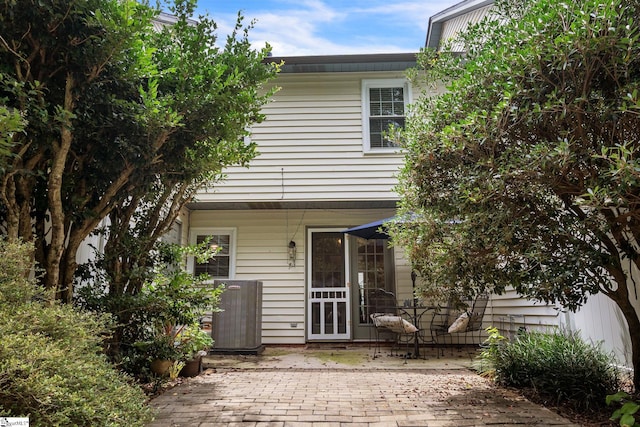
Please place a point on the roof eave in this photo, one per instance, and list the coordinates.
(345, 63)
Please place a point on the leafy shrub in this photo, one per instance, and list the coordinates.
(558, 366)
(627, 411)
(485, 362)
(52, 368)
(147, 320)
(192, 341)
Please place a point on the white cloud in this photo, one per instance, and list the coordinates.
(327, 27)
(411, 13)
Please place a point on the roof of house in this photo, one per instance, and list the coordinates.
(164, 19)
(434, 31)
(346, 63)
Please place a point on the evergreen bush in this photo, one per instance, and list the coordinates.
(558, 366)
(52, 367)
(150, 320)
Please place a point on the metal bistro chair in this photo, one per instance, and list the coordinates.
(387, 318)
(463, 322)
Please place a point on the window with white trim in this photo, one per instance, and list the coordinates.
(222, 264)
(384, 105)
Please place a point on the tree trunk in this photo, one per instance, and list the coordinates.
(13, 217)
(54, 194)
(621, 297)
(633, 323)
(68, 269)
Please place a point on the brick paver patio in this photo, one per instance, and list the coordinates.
(415, 394)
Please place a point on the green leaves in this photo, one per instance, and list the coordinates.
(559, 366)
(626, 413)
(534, 149)
(51, 361)
(11, 122)
(149, 116)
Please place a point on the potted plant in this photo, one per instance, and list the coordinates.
(169, 304)
(163, 352)
(161, 348)
(193, 343)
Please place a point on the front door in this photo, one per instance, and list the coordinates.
(328, 314)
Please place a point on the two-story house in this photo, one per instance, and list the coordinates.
(324, 165)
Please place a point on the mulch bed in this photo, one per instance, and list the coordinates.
(155, 389)
(592, 418)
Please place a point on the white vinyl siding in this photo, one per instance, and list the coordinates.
(262, 242)
(454, 26)
(310, 147)
(174, 235)
(510, 312)
(601, 321)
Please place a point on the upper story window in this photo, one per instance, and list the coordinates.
(384, 105)
(222, 264)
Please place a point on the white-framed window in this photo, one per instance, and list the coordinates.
(223, 264)
(384, 104)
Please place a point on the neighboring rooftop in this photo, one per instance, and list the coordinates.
(448, 23)
(163, 19)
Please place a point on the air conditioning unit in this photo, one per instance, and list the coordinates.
(238, 327)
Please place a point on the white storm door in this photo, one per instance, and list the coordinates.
(328, 308)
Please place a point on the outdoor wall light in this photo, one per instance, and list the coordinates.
(292, 253)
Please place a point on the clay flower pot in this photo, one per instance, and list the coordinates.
(161, 366)
(192, 367)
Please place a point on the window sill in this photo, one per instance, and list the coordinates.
(384, 151)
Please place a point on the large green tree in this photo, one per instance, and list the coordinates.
(217, 93)
(121, 119)
(525, 173)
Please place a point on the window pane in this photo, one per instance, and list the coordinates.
(379, 127)
(220, 264)
(327, 265)
(216, 267)
(375, 133)
(328, 318)
(386, 93)
(398, 94)
(396, 122)
(315, 318)
(386, 108)
(386, 101)
(372, 274)
(342, 317)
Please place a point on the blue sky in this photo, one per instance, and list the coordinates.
(326, 27)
